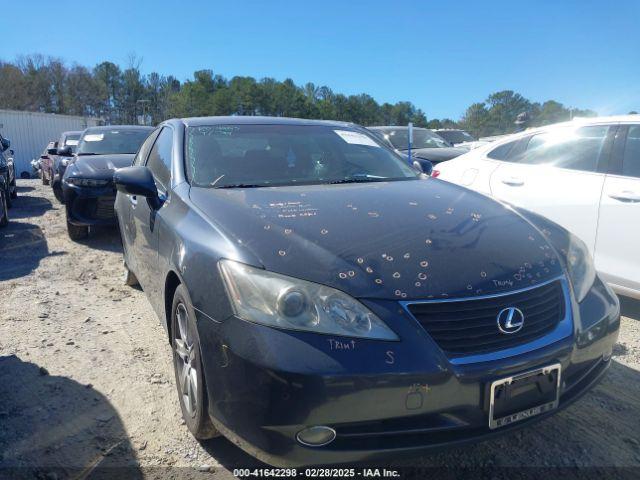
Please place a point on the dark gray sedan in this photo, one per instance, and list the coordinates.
(327, 303)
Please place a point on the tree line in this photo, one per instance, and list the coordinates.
(126, 95)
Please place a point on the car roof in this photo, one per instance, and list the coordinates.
(257, 120)
(118, 127)
(394, 127)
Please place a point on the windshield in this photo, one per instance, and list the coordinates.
(72, 141)
(455, 136)
(226, 156)
(422, 138)
(117, 141)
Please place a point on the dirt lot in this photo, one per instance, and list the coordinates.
(86, 378)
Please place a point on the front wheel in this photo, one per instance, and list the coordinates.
(4, 212)
(188, 367)
(77, 232)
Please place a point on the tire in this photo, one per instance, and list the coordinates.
(57, 192)
(4, 211)
(77, 232)
(14, 190)
(7, 198)
(128, 277)
(187, 365)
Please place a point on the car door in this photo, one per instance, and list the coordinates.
(147, 219)
(617, 256)
(127, 203)
(559, 173)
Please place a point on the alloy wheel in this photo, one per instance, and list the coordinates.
(185, 351)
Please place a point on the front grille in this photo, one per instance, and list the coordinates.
(104, 208)
(464, 327)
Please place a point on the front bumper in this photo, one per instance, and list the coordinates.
(88, 206)
(382, 398)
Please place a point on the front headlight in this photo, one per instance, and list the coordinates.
(582, 272)
(87, 182)
(285, 302)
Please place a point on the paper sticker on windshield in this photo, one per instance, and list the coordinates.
(94, 137)
(356, 138)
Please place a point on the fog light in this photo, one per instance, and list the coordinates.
(317, 436)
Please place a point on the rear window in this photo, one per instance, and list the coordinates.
(269, 155)
(502, 152)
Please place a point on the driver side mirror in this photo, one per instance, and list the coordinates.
(423, 166)
(4, 143)
(138, 181)
(65, 151)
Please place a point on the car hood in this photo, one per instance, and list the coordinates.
(394, 240)
(438, 154)
(98, 166)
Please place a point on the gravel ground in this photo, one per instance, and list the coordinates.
(86, 379)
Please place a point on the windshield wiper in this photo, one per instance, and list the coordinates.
(359, 179)
(242, 185)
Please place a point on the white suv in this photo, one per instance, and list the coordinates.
(583, 174)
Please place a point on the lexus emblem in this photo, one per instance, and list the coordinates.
(510, 320)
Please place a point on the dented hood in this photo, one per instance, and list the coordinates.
(417, 239)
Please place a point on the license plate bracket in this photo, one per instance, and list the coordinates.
(525, 395)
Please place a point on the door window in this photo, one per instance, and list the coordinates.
(631, 160)
(143, 152)
(572, 148)
(160, 159)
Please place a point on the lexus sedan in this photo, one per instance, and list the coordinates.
(327, 303)
(87, 185)
(427, 146)
(583, 174)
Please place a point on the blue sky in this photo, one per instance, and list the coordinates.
(440, 55)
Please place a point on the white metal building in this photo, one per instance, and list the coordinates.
(29, 132)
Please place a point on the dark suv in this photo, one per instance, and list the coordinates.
(7, 172)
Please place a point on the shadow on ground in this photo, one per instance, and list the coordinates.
(630, 307)
(103, 238)
(29, 206)
(54, 427)
(22, 246)
(24, 188)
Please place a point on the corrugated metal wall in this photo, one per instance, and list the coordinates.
(30, 132)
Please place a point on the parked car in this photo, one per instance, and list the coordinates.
(87, 185)
(4, 207)
(426, 144)
(584, 175)
(455, 136)
(46, 162)
(67, 145)
(7, 171)
(326, 303)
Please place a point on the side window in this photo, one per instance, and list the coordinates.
(572, 148)
(143, 151)
(160, 159)
(631, 159)
(502, 152)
